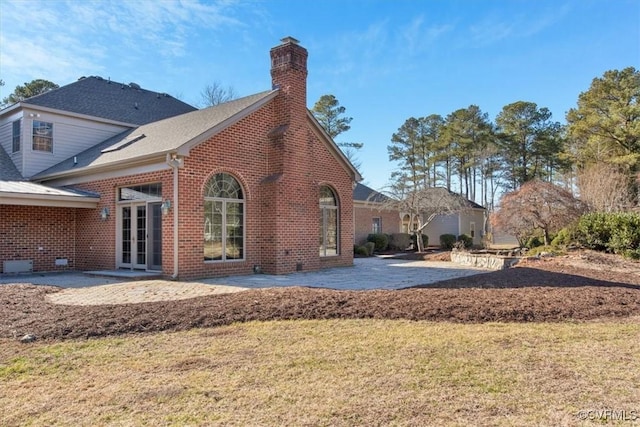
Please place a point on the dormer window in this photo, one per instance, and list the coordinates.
(17, 127)
(42, 136)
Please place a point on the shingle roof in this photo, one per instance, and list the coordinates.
(365, 194)
(8, 171)
(464, 201)
(25, 187)
(127, 103)
(162, 137)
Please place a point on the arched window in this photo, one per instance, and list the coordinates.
(223, 219)
(407, 225)
(328, 222)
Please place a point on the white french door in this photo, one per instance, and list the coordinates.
(140, 236)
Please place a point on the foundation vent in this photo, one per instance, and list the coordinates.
(19, 266)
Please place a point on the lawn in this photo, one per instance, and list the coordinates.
(331, 372)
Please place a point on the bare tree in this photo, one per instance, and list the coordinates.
(422, 205)
(605, 187)
(536, 206)
(215, 94)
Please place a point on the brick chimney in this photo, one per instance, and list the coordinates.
(294, 197)
(289, 73)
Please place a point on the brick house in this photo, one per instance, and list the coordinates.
(251, 184)
(372, 215)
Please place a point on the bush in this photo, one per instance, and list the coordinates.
(360, 251)
(467, 241)
(381, 241)
(565, 237)
(533, 242)
(414, 240)
(399, 241)
(447, 241)
(615, 232)
(625, 232)
(594, 231)
(370, 247)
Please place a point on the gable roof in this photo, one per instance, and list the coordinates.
(175, 134)
(440, 193)
(8, 170)
(97, 97)
(363, 193)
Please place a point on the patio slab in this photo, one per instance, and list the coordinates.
(365, 274)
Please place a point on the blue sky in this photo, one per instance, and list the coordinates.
(384, 60)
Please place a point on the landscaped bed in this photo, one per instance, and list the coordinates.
(581, 286)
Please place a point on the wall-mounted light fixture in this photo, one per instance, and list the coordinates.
(104, 213)
(34, 115)
(166, 205)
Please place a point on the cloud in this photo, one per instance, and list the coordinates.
(498, 26)
(62, 40)
(416, 37)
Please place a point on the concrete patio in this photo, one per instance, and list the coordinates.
(366, 274)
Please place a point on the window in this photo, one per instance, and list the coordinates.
(141, 192)
(328, 222)
(223, 219)
(472, 229)
(407, 225)
(17, 126)
(42, 136)
(376, 226)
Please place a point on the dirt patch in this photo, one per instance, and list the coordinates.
(577, 287)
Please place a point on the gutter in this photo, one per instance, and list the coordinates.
(174, 163)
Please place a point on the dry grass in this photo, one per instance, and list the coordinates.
(328, 372)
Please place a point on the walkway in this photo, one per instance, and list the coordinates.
(366, 274)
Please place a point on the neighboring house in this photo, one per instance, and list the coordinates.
(371, 216)
(374, 215)
(254, 184)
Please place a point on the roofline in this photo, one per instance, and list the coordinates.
(185, 148)
(30, 199)
(149, 159)
(333, 146)
(10, 108)
(26, 105)
(160, 156)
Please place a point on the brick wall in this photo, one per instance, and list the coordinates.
(96, 238)
(41, 234)
(364, 218)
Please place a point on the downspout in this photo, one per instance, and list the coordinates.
(175, 162)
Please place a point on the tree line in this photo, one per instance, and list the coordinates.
(595, 155)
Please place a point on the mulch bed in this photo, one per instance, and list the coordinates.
(551, 290)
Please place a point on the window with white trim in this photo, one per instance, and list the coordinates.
(15, 136)
(42, 136)
(376, 225)
(223, 219)
(328, 222)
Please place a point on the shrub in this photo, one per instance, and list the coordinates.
(447, 241)
(425, 240)
(594, 232)
(467, 241)
(381, 241)
(625, 232)
(615, 232)
(533, 242)
(360, 251)
(565, 237)
(370, 247)
(399, 241)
